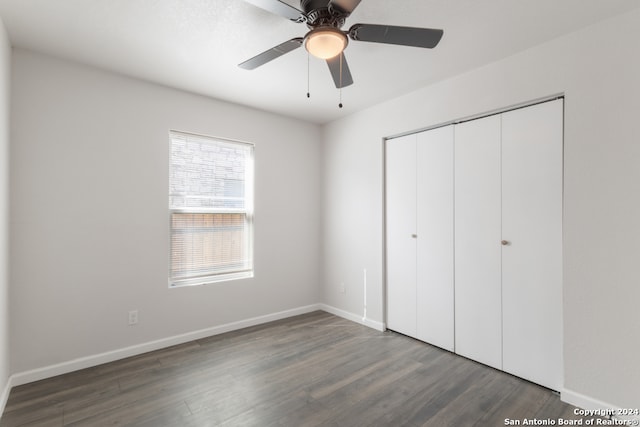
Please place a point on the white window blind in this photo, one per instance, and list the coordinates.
(211, 209)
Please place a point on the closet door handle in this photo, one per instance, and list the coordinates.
(505, 242)
(414, 236)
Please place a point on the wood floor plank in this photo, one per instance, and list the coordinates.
(310, 370)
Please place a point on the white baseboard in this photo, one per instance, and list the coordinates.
(568, 396)
(5, 394)
(353, 317)
(98, 359)
(110, 356)
(599, 407)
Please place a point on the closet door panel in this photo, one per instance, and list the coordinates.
(532, 261)
(435, 237)
(478, 293)
(400, 229)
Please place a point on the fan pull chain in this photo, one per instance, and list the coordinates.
(308, 78)
(341, 56)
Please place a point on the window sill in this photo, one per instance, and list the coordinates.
(210, 279)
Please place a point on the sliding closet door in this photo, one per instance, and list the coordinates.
(434, 294)
(401, 234)
(532, 259)
(478, 294)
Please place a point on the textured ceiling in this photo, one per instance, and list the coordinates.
(195, 45)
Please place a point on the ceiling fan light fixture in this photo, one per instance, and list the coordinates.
(325, 42)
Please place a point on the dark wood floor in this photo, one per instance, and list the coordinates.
(310, 370)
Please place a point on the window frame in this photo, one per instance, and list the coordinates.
(248, 211)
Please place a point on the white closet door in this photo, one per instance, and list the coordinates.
(532, 261)
(401, 229)
(435, 237)
(478, 294)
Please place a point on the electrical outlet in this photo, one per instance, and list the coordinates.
(343, 288)
(133, 317)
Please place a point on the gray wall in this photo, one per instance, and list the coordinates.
(597, 69)
(89, 213)
(5, 68)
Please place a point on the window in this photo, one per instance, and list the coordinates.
(211, 210)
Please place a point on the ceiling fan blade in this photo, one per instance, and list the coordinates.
(279, 8)
(334, 66)
(271, 54)
(405, 36)
(345, 5)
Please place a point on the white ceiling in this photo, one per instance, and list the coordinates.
(195, 45)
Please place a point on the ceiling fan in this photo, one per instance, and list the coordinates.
(327, 41)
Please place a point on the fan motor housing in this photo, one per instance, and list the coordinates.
(319, 13)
